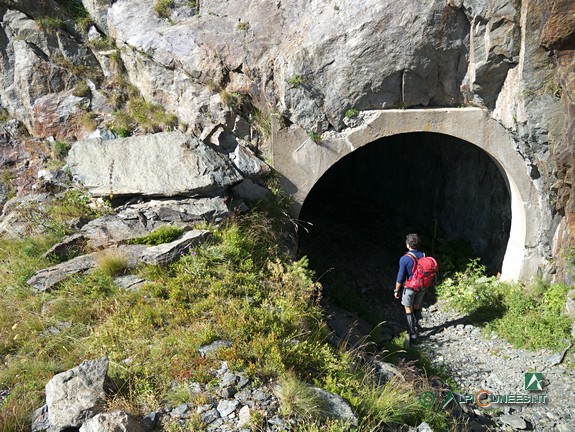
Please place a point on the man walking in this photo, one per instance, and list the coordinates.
(411, 299)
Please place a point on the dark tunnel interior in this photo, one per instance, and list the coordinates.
(451, 192)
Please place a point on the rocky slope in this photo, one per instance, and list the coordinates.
(218, 71)
(222, 69)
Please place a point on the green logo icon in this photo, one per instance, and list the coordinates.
(533, 381)
(427, 399)
(448, 398)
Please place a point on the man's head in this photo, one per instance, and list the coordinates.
(412, 241)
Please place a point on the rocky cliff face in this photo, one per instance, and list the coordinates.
(69, 68)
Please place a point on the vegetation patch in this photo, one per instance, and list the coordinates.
(77, 12)
(163, 8)
(528, 315)
(60, 149)
(352, 113)
(7, 177)
(236, 287)
(163, 234)
(4, 115)
(314, 136)
(300, 399)
(82, 89)
(243, 25)
(111, 262)
(56, 216)
(48, 23)
(135, 114)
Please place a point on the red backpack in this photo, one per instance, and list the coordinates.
(424, 271)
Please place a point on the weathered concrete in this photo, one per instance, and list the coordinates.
(302, 162)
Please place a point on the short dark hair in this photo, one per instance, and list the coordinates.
(413, 241)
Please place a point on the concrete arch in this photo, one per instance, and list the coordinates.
(302, 162)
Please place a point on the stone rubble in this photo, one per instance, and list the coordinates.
(75, 400)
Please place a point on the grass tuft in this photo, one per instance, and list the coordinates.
(111, 262)
(300, 399)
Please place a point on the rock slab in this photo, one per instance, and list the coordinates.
(77, 394)
(147, 166)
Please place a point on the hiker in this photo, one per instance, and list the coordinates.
(414, 288)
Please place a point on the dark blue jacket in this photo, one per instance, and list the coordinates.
(406, 264)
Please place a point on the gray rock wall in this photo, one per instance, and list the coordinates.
(309, 62)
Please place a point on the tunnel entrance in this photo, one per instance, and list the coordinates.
(446, 189)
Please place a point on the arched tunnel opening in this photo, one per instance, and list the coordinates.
(357, 215)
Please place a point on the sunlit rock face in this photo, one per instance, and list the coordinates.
(222, 67)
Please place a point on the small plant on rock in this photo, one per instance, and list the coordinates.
(60, 149)
(352, 113)
(243, 25)
(48, 23)
(163, 8)
(314, 136)
(82, 89)
(296, 80)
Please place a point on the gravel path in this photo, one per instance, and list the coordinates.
(477, 362)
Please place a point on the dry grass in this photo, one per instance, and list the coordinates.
(111, 262)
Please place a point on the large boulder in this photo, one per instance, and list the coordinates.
(164, 164)
(98, 10)
(559, 30)
(77, 395)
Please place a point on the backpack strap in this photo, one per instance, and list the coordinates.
(414, 258)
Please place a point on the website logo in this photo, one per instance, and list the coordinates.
(485, 398)
(534, 381)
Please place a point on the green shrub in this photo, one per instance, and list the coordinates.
(314, 136)
(470, 290)
(534, 316)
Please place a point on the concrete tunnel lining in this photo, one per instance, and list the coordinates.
(301, 162)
